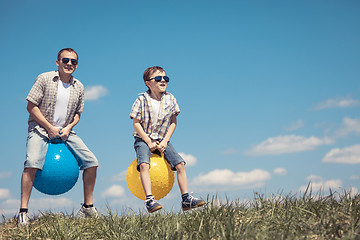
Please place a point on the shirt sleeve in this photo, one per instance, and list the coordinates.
(175, 107)
(36, 93)
(136, 110)
(80, 107)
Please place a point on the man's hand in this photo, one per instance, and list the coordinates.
(65, 132)
(53, 132)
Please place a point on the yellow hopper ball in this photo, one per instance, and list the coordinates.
(161, 175)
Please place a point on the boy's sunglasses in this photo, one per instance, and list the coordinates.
(159, 78)
(73, 61)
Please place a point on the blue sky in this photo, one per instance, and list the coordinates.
(269, 92)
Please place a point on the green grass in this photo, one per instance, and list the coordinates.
(272, 217)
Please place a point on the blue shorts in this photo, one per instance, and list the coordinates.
(143, 154)
(36, 149)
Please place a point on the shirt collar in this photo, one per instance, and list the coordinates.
(57, 77)
(147, 94)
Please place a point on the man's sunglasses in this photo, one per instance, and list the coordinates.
(159, 78)
(73, 61)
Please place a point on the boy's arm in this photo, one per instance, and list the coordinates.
(35, 112)
(139, 129)
(163, 144)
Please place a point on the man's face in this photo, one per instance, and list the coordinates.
(69, 67)
(157, 87)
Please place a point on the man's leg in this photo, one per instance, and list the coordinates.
(87, 162)
(36, 149)
(89, 178)
(27, 182)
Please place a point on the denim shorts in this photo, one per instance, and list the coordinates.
(143, 154)
(37, 144)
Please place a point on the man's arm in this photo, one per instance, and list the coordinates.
(139, 129)
(35, 112)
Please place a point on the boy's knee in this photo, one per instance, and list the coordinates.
(144, 166)
(180, 167)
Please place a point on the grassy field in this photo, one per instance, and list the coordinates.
(271, 217)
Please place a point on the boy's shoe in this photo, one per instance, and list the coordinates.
(152, 205)
(23, 219)
(87, 212)
(192, 202)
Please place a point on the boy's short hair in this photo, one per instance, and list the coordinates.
(149, 71)
(68, 50)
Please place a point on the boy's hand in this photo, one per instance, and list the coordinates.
(162, 146)
(152, 145)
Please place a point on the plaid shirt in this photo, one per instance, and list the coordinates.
(44, 93)
(142, 110)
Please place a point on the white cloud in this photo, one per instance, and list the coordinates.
(4, 193)
(229, 151)
(280, 171)
(355, 178)
(120, 176)
(4, 175)
(314, 178)
(113, 191)
(190, 160)
(317, 184)
(229, 178)
(354, 191)
(50, 203)
(348, 155)
(295, 125)
(339, 102)
(95, 92)
(349, 126)
(11, 203)
(287, 144)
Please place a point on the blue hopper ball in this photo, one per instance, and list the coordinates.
(60, 172)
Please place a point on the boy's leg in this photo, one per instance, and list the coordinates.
(145, 178)
(143, 166)
(87, 162)
(181, 177)
(178, 164)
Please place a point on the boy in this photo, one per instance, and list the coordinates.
(154, 120)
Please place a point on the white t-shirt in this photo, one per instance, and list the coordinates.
(62, 102)
(155, 104)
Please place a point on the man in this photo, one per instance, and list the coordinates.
(55, 103)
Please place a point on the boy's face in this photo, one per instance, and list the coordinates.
(157, 87)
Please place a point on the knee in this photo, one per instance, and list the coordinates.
(180, 167)
(30, 171)
(144, 167)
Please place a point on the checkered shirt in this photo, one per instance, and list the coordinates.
(142, 110)
(44, 93)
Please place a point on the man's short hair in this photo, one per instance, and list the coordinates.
(68, 50)
(149, 71)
